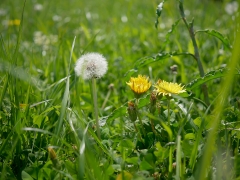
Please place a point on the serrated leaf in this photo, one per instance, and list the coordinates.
(158, 12)
(209, 76)
(159, 57)
(218, 35)
(171, 31)
(121, 111)
(129, 73)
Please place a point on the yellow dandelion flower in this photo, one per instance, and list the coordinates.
(168, 88)
(14, 22)
(139, 85)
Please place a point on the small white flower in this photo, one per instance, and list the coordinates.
(91, 65)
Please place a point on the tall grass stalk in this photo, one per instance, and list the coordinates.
(65, 100)
(219, 107)
(178, 158)
(189, 26)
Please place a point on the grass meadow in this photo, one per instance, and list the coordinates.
(168, 106)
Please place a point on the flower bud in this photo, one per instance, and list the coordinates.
(132, 112)
(153, 100)
(52, 153)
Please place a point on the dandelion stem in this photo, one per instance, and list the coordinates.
(168, 106)
(153, 128)
(94, 96)
(106, 99)
(139, 117)
(170, 147)
(110, 89)
(138, 133)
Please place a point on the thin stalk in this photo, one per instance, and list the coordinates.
(221, 102)
(110, 89)
(170, 147)
(196, 50)
(178, 163)
(139, 117)
(138, 133)
(95, 106)
(153, 127)
(168, 106)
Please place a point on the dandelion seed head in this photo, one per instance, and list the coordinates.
(91, 65)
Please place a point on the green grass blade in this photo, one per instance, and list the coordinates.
(219, 107)
(65, 100)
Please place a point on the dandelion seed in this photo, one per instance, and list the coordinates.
(91, 65)
(168, 88)
(139, 85)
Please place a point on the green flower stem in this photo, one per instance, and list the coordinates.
(171, 147)
(94, 96)
(168, 106)
(107, 96)
(196, 50)
(139, 117)
(170, 161)
(153, 127)
(138, 133)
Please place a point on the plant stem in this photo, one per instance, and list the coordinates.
(138, 133)
(196, 50)
(139, 117)
(94, 96)
(153, 128)
(168, 106)
(170, 147)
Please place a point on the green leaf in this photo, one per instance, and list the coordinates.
(70, 167)
(26, 176)
(144, 165)
(110, 170)
(209, 76)
(198, 121)
(218, 35)
(133, 160)
(188, 144)
(161, 153)
(121, 111)
(171, 32)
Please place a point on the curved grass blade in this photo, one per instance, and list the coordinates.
(218, 35)
(65, 101)
(81, 160)
(218, 111)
